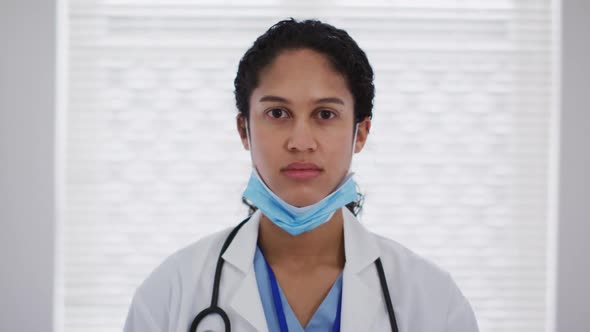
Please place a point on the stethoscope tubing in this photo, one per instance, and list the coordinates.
(215, 309)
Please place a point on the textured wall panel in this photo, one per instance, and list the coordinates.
(455, 167)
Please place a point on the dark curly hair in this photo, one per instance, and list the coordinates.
(342, 51)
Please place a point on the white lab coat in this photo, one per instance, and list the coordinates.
(424, 297)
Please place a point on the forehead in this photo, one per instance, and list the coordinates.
(302, 74)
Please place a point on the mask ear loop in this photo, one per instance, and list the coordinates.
(350, 173)
(247, 127)
(356, 130)
(254, 170)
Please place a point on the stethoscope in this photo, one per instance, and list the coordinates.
(215, 309)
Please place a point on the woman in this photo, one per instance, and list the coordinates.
(302, 261)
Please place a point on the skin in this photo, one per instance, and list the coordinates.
(302, 111)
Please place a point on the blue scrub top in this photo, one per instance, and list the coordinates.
(322, 319)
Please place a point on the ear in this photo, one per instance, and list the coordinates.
(241, 126)
(362, 134)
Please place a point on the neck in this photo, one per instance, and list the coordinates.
(323, 245)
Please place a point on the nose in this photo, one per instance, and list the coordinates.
(301, 138)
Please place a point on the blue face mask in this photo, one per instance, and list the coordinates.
(296, 220)
(292, 219)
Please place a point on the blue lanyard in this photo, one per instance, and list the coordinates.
(279, 305)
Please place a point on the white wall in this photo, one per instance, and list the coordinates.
(27, 76)
(573, 289)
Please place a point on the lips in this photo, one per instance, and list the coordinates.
(302, 171)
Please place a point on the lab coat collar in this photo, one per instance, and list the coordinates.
(246, 299)
(241, 251)
(360, 247)
(361, 298)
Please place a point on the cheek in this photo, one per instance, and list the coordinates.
(264, 149)
(340, 147)
(342, 152)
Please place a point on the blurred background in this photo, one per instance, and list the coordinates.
(118, 147)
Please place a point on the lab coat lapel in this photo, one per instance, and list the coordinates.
(245, 300)
(362, 297)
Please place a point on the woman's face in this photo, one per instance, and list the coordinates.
(301, 127)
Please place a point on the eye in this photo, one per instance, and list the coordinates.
(326, 114)
(277, 113)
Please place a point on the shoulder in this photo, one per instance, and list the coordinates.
(422, 286)
(158, 298)
(406, 262)
(413, 273)
(186, 261)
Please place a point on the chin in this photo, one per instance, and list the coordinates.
(302, 199)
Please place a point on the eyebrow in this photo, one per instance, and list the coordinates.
(332, 100)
